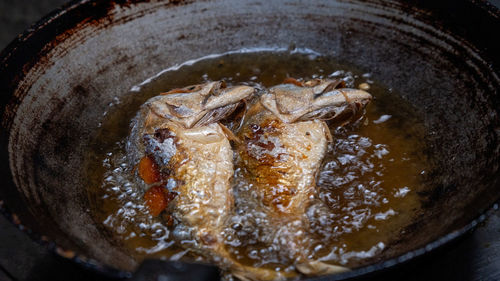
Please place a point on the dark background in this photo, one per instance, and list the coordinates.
(474, 257)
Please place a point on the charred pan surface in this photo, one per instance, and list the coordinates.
(32, 52)
(33, 46)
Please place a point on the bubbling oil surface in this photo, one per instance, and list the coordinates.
(367, 185)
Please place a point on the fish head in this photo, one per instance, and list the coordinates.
(317, 99)
(200, 105)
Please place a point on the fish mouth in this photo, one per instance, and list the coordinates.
(350, 113)
(350, 109)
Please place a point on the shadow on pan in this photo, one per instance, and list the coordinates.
(57, 79)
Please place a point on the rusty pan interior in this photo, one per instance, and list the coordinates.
(57, 79)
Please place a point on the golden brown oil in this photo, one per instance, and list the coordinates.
(367, 185)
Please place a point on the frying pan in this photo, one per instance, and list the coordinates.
(58, 77)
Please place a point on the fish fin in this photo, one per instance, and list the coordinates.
(328, 133)
(319, 268)
(229, 134)
(248, 273)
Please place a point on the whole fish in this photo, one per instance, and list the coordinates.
(284, 139)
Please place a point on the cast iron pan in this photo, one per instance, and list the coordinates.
(57, 79)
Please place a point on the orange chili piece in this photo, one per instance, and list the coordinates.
(156, 200)
(148, 170)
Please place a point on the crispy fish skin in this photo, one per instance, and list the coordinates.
(283, 159)
(197, 159)
(284, 140)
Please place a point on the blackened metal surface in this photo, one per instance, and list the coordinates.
(476, 50)
(175, 271)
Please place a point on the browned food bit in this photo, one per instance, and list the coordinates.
(290, 80)
(169, 220)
